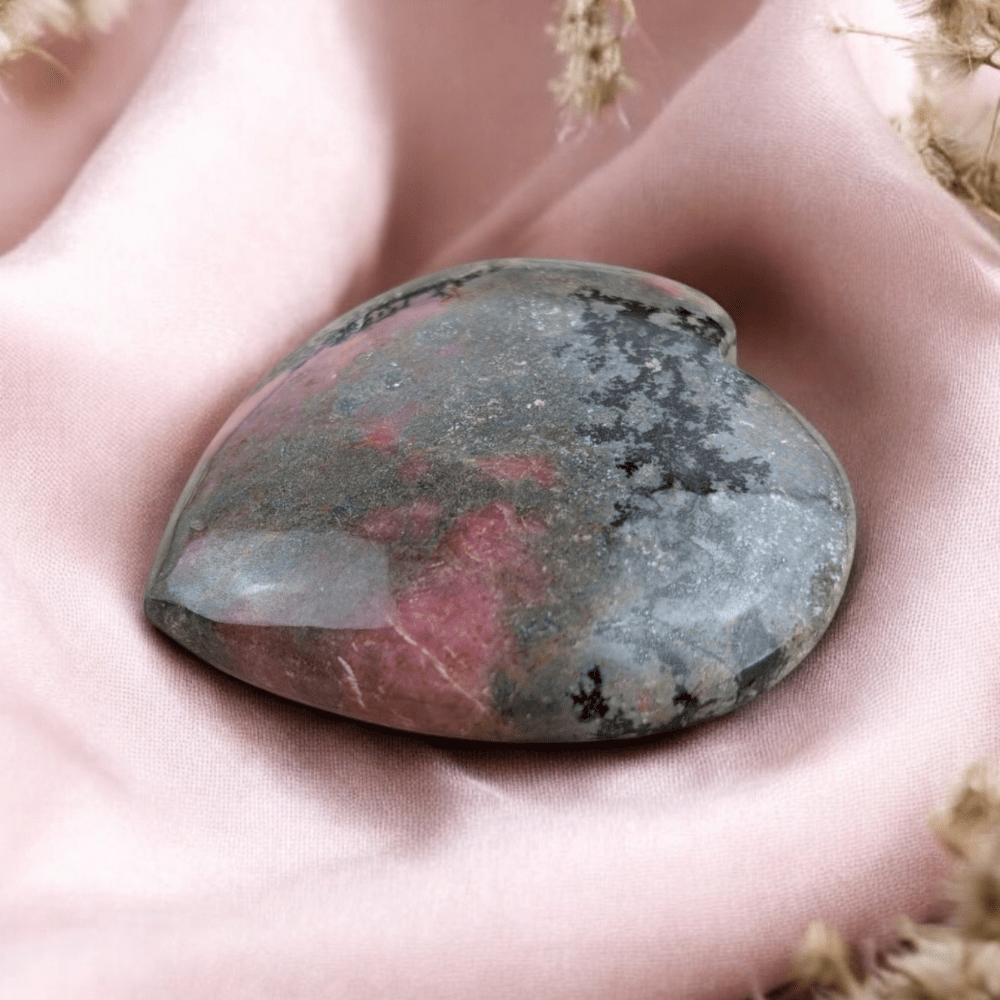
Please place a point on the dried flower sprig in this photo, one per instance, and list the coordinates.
(955, 135)
(956, 961)
(960, 20)
(23, 22)
(589, 40)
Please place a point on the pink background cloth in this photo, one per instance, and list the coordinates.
(231, 175)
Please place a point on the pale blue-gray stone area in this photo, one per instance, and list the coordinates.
(516, 500)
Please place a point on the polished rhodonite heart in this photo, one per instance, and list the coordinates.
(516, 500)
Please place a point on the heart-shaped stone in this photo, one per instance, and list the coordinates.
(516, 500)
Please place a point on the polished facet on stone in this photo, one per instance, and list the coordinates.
(516, 500)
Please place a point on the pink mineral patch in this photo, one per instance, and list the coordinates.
(383, 433)
(430, 669)
(519, 467)
(389, 524)
(451, 623)
(413, 469)
(495, 539)
(673, 288)
(334, 360)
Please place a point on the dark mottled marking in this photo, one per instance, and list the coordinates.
(591, 702)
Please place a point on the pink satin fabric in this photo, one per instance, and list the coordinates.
(168, 832)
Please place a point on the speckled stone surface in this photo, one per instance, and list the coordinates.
(516, 500)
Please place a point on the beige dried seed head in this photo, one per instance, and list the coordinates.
(983, 968)
(23, 22)
(975, 890)
(589, 40)
(973, 812)
(958, 19)
(824, 961)
(952, 127)
(955, 961)
(931, 968)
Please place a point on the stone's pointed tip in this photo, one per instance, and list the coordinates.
(517, 500)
